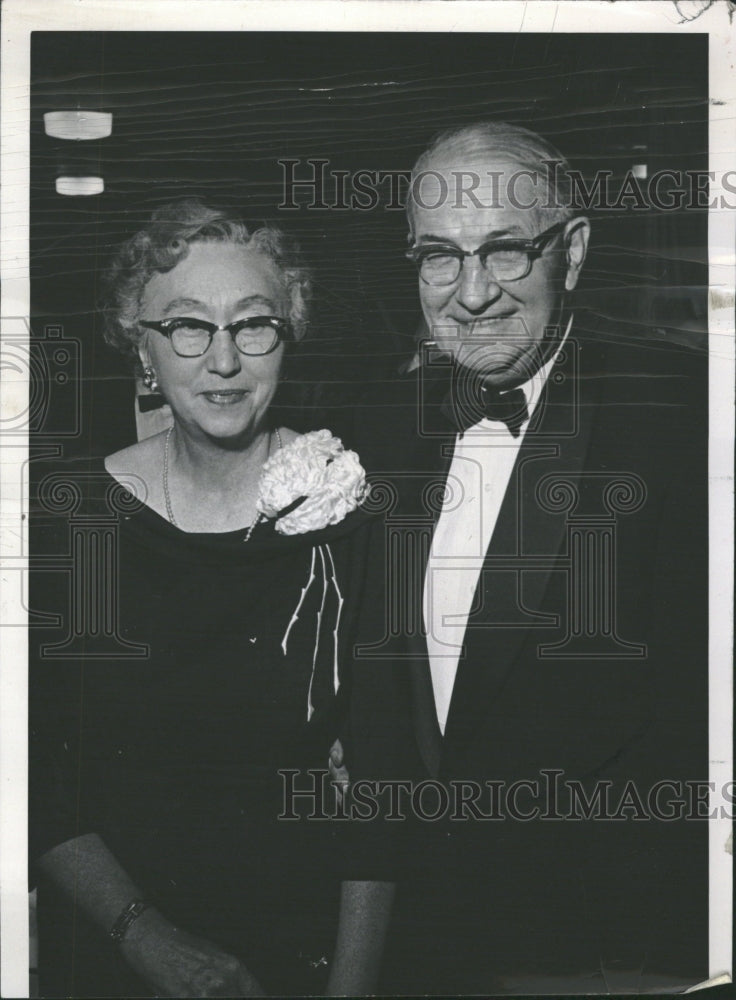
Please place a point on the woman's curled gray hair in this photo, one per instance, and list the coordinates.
(165, 241)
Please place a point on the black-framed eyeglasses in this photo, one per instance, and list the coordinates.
(504, 260)
(191, 338)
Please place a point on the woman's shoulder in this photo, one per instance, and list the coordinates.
(139, 459)
(83, 486)
(288, 435)
(138, 469)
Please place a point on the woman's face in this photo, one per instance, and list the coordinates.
(223, 394)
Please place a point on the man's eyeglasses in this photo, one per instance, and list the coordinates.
(504, 260)
(254, 336)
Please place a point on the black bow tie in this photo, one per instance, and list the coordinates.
(468, 401)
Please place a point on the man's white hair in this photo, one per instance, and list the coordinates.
(503, 141)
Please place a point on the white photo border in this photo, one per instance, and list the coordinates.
(21, 17)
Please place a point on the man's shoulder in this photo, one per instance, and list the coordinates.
(653, 379)
(649, 407)
(387, 417)
(641, 351)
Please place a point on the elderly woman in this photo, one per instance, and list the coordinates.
(163, 865)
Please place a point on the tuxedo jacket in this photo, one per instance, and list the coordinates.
(584, 666)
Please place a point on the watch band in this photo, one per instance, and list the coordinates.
(130, 913)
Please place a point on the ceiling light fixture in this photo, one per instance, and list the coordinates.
(80, 186)
(78, 124)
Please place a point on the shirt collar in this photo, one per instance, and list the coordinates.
(534, 387)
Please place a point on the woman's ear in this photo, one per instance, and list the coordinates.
(576, 235)
(143, 353)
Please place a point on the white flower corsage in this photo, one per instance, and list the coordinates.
(310, 483)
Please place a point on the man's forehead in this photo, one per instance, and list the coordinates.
(454, 228)
(453, 217)
(483, 190)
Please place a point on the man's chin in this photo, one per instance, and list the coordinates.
(498, 373)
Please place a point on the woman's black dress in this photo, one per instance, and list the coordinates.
(186, 672)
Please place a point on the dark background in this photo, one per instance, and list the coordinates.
(210, 114)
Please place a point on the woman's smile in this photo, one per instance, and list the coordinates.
(225, 397)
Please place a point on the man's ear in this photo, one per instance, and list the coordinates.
(576, 235)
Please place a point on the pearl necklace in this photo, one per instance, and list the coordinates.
(167, 495)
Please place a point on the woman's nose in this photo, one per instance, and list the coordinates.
(223, 356)
(477, 288)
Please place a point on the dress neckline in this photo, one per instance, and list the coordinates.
(232, 533)
(265, 542)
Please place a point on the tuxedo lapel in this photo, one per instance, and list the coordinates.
(426, 728)
(524, 549)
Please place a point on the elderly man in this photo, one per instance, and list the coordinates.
(546, 617)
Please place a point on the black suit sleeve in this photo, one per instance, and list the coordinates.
(380, 752)
(647, 880)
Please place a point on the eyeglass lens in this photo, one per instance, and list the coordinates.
(192, 340)
(443, 268)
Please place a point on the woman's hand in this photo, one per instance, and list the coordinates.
(172, 962)
(178, 964)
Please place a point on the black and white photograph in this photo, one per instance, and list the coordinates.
(367, 495)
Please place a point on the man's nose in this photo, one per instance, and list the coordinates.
(477, 287)
(223, 356)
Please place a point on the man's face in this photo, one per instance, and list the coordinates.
(497, 328)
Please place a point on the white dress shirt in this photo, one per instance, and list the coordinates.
(479, 475)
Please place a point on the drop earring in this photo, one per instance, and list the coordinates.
(149, 379)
